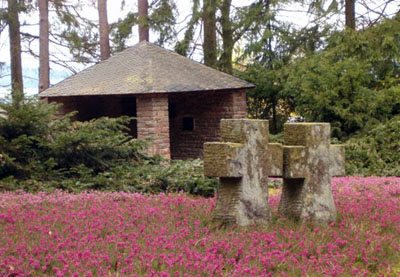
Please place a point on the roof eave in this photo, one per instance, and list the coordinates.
(44, 95)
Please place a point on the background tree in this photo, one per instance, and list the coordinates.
(370, 12)
(105, 51)
(350, 14)
(227, 37)
(143, 20)
(72, 37)
(14, 7)
(76, 34)
(353, 83)
(44, 63)
(270, 49)
(161, 19)
(210, 33)
(184, 46)
(268, 46)
(232, 23)
(235, 22)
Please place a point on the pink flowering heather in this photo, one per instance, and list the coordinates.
(110, 234)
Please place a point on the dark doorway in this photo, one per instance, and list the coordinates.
(91, 107)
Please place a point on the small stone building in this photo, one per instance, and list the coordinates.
(178, 103)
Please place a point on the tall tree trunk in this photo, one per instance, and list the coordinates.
(103, 26)
(227, 37)
(210, 33)
(44, 65)
(143, 20)
(15, 49)
(350, 13)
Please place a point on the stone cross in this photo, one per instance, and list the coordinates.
(240, 161)
(309, 162)
(244, 160)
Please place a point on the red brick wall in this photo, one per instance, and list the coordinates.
(159, 117)
(153, 123)
(239, 104)
(207, 108)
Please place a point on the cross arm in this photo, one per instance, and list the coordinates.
(294, 161)
(221, 159)
(275, 155)
(337, 160)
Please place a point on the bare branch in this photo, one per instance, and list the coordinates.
(65, 65)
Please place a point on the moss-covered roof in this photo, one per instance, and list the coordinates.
(142, 69)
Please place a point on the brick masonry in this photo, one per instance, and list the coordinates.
(207, 109)
(160, 116)
(153, 123)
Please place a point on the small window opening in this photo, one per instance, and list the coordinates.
(188, 123)
(172, 110)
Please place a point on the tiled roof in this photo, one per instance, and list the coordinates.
(145, 68)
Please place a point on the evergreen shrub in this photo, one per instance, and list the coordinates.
(41, 150)
(375, 152)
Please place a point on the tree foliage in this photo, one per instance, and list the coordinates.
(353, 83)
(376, 151)
(183, 46)
(11, 16)
(270, 48)
(232, 23)
(161, 20)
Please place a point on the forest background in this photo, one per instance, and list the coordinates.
(318, 60)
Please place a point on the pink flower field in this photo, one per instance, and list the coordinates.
(120, 234)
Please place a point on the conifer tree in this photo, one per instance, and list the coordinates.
(350, 14)
(103, 27)
(143, 20)
(210, 32)
(15, 48)
(227, 37)
(44, 63)
(183, 47)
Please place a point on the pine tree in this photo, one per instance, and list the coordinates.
(44, 64)
(227, 37)
(210, 32)
(245, 19)
(15, 49)
(183, 47)
(350, 13)
(103, 26)
(143, 20)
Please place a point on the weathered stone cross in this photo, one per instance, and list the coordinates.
(244, 160)
(241, 163)
(309, 162)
